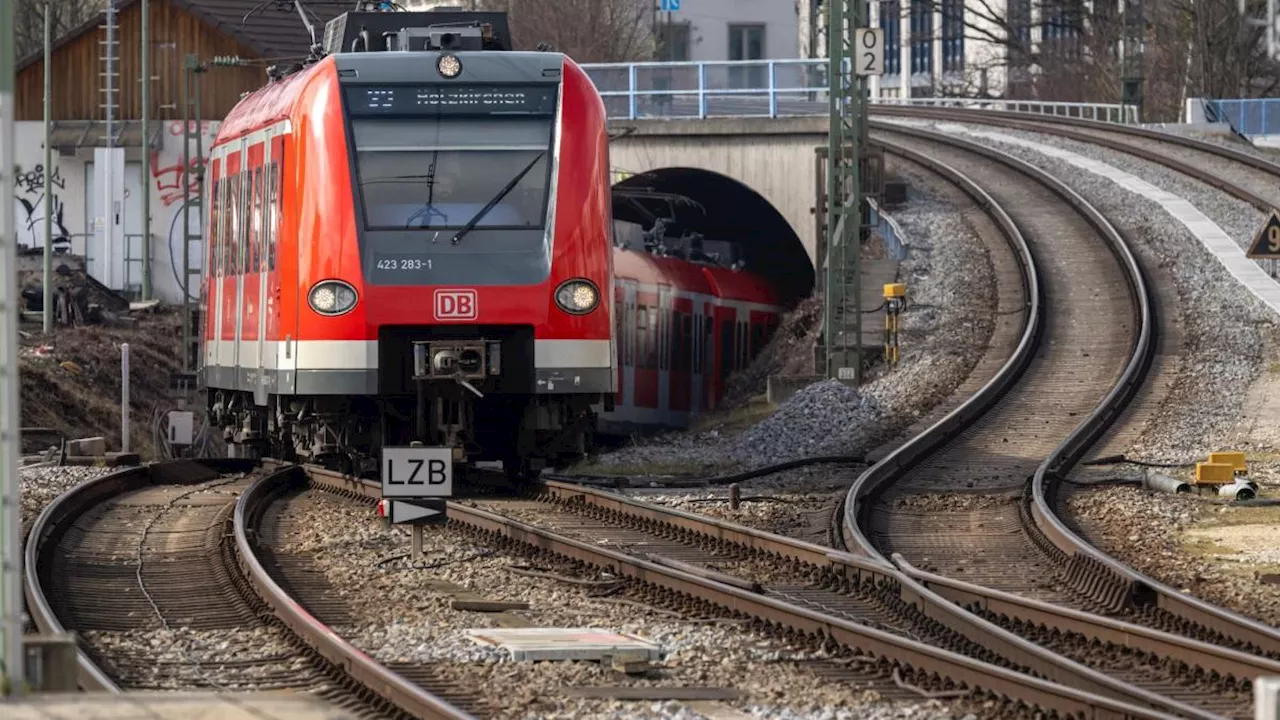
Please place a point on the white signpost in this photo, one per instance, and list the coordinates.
(415, 482)
(868, 51)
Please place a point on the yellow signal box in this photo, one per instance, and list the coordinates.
(1215, 473)
(1232, 458)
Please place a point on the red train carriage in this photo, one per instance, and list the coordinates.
(412, 245)
(682, 328)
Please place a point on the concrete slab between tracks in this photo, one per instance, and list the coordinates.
(566, 643)
(278, 705)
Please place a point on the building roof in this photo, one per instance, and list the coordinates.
(273, 31)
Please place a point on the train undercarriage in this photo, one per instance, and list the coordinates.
(443, 393)
(527, 433)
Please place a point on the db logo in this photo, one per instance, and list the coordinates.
(456, 305)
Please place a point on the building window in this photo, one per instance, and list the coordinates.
(922, 37)
(952, 35)
(746, 42)
(673, 41)
(891, 22)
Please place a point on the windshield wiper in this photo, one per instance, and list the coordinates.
(429, 208)
(496, 199)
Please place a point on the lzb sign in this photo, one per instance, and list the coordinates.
(456, 305)
(417, 472)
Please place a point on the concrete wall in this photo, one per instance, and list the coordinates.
(775, 158)
(76, 214)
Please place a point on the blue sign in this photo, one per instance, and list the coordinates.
(670, 5)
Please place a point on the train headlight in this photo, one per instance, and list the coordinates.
(449, 65)
(332, 297)
(577, 297)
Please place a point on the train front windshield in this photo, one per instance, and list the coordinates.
(448, 172)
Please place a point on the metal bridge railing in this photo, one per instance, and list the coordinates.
(1247, 116)
(772, 89)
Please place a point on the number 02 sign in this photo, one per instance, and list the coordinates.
(868, 51)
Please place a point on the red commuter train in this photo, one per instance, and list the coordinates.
(410, 239)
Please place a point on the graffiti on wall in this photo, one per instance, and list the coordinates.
(31, 184)
(166, 163)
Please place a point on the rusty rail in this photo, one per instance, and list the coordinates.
(405, 695)
(1138, 588)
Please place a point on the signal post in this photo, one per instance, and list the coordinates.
(416, 482)
(854, 54)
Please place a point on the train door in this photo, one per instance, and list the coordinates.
(726, 323)
(227, 280)
(663, 338)
(240, 259)
(681, 369)
(210, 295)
(251, 274)
(264, 223)
(696, 360)
(708, 356)
(627, 363)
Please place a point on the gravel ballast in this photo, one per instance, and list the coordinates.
(399, 618)
(1220, 319)
(42, 484)
(944, 330)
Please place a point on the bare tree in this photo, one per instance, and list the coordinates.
(66, 15)
(1074, 52)
(585, 30)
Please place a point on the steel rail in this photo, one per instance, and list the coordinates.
(913, 654)
(371, 674)
(856, 569)
(58, 516)
(1139, 588)
(908, 455)
(1005, 118)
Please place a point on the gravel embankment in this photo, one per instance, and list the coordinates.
(42, 484)
(399, 619)
(944, 329)
(1216, 552)
(1220, 320)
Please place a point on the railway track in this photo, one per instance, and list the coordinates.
(1131, 592)
(956, 498)
(1245, 176)
(833, 600)
(857, 603)
(154, 569)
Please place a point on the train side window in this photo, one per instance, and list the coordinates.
(664, 339)
(229, 228)
(246, 221)
(215, 217)
(676, 345)
(727, 344)
(629, 335)
(654, 339)
(617, 330)
(255, 225)
(276, 204)
(690, 337)
(642, 336)
(708, 346)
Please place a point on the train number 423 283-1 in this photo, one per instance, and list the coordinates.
(403, 264)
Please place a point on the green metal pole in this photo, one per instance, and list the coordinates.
(10, 489)
(831, 289)
(48, 169)
(184, 91)
(146, 149)
(859, 211)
